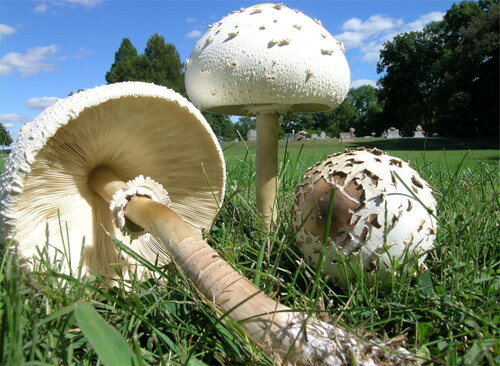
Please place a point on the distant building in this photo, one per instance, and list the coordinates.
(391, 133)
(419, 132)
(346, 136)
(252, 135)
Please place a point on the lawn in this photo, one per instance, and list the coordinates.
(438, 151)
(447, 315)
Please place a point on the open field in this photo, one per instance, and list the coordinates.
(447, 315)
(439, 151)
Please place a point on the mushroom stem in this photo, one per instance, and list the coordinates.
(267, 166)
(291, 337)
(104, 182)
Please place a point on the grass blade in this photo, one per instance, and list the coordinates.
(108, 343)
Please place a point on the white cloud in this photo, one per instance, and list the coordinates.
(371, 51)
(41, 8)
(44, 6)
(361, 82)
(374, 25)
(41, 102)
(369, 35)
(5, 30)
(11, 118)
(85, 3)
(80, 53)
(195, 33)
(425, 19)
(8, 125)
(190, 20)
(351, 39)
(29, 63)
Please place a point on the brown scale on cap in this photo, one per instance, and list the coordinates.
(347, 200)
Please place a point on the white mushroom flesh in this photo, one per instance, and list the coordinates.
(267, 54)
(383, 211)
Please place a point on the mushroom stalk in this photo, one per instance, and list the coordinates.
(267, 166)
(291, 337)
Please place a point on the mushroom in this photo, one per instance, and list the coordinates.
(383, 213)
(282, 68)
(133, 128)
(72, 162)
(291, 337)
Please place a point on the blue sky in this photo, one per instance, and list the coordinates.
(49, 48)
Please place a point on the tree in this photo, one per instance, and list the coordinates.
(297, 122)
(243, 125)
(122, 68)
(339, 120)
(470, 91)
(407, 89)
(5, 138)
(360, 109)
(160, 64)
(368, 109)
(445, 77)
(221, 125)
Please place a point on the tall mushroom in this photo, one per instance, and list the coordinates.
(383, 214)
(133, 128)
(266, 60)
(50, 171)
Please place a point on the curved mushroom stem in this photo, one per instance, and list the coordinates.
(291, 337)
(267, 166)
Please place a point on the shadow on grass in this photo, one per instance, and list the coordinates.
(431, 143)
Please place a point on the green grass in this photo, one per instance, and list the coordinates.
(439, 151)
(448, 315)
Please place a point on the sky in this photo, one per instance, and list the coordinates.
(49, 48)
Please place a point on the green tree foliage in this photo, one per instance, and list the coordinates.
(160, 64)
(297, 122)
(126, 51)
(368, 110)
(468, 96)
(445, 77)
(339, 120)
(5, 138)
(243, 125)
(360, 110)
(407, 88)
(221, 125)
(123, 68)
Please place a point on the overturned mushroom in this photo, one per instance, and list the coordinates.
(280, 66)
(291, 337)
(134, 128)
(383, 214)
(140, 205)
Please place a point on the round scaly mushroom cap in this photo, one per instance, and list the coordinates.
(267, 54)
(133, 128)
(383, 211)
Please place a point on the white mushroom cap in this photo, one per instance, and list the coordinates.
(271, 55)
(383, 211)
(133, 128)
